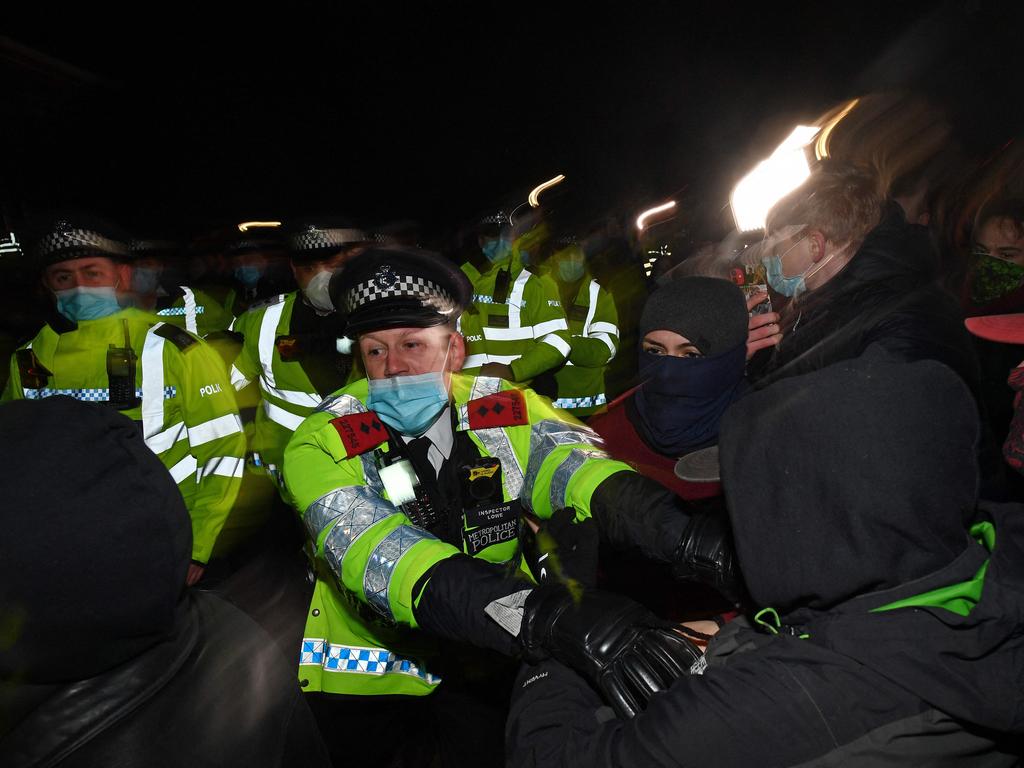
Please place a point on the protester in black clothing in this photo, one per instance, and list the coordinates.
(847, 271)
(104, 659)
(890, 629)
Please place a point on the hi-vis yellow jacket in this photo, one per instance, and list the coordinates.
(184, 403)
(369, 556)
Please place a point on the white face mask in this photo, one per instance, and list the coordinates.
(317, 292)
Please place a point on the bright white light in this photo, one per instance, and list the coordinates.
(534, 197)
(245, 226)
(641, 220)
(771, 180)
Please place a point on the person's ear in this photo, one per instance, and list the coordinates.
(816, 240)
(124, 276)
(457, 354)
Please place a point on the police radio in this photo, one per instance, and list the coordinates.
(405, 490)
(121, 374)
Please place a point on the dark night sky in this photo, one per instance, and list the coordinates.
(436, 111)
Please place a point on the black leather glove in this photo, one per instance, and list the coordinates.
(623, 650)
(705, 554)
(563, 549)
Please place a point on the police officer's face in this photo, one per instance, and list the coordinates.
(95, 272)
(411, 351)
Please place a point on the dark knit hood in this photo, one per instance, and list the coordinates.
(96, 541)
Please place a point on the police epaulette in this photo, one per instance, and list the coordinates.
(360, 432)
(179, 337)
(502, 409)
(268, 302)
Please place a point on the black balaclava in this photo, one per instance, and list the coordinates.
(678, 407)
(95, 546)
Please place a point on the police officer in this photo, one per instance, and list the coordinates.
(590, 312)
(413, 483)
(155, 284)
(291, 340)
(161, 376)
(514, 326)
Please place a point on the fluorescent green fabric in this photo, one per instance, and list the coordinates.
(525, 329)
(957, 598)
(593, 325)
(188, 413)
(547, 463)
(287, 395)
(195, 311)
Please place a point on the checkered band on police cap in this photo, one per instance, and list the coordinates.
(66, 241)
(386, 283)
(498, 217)
(313, 238)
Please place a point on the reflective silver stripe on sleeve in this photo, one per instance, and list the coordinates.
(153, 383)
(238, 379)
(483, 386)
(497, 444)
(280, 416)
(545, 436)
(223, 466)
(355, 509)
(267, 340)
(558, 343)
(475, 361)
(607, 339)
(382, 563)
(190, 310)
(371, 475)
(184, 469)
(560, 479)
(594, 290)
(293, 396)
(515, 298)
(342, 405)
(509, 334)
(214, 429)
(602, 327)
(549, 326)
(162, 441)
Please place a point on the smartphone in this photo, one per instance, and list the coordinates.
(751, 280)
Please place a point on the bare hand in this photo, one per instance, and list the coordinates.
(498, 371)
(195, 573)
(762, 330)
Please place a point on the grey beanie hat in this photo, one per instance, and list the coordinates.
(710, 312)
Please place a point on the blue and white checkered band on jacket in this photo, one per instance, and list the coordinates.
(70, 240)
(386, 283)
(313, 238)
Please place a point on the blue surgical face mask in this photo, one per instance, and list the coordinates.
(787, 286)
(409, 404)
(248, 275)
(570, 270)
(497, 250)
(145, 280)
(87, 302)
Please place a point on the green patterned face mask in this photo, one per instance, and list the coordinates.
(994, 278)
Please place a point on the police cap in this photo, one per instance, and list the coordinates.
(320, 239)
(78, 237)
(399, 288)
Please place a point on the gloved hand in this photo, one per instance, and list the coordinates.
(563, 549)
(623, 650)
(706, 554)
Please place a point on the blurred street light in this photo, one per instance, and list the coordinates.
(534, 197)
(245, 226)
(772, 179)
(641, 220)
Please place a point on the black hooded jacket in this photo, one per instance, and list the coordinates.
(896, 637)
(106, 659)
(888, 295)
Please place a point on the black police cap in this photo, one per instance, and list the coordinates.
(78, 236)
(320, 239)
(399, 288)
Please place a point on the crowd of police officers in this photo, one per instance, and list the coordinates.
(393, 400)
